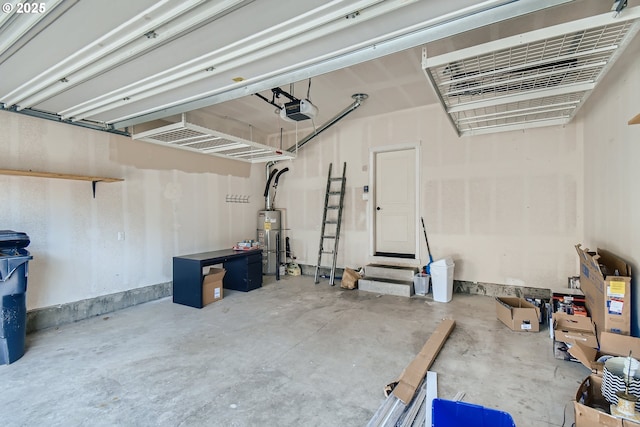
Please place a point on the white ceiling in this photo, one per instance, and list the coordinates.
(116, 63)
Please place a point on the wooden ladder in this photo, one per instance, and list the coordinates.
(333, 202)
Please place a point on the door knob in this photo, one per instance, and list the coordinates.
(378, 208)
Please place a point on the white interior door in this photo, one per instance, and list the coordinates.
(395, 204)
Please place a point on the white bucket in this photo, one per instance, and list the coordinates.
(421, 283)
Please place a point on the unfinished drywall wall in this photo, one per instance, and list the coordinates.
(504, 206)
(126, 237)
(611, 153)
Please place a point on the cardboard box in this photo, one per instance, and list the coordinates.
(212, 289)
(605, 280)
(571, 329)
(350, 279)
(588, 399)
(518, 314)
(610, 344)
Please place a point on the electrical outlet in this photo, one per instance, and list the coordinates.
(120, 235)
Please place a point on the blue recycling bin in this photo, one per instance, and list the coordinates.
(14, 264)
(450, 413)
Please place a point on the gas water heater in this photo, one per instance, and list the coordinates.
(270, 227)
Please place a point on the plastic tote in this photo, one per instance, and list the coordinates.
(448, 413)
(442, 279)
(13, 305)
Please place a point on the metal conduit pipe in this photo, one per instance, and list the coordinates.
(358, 98)
(267, 192)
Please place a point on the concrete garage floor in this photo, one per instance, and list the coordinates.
(290, 354)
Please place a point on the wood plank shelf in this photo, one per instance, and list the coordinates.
(635, 120)
(92, 179)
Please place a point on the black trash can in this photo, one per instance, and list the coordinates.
(14, 262)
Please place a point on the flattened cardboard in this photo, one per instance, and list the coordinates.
(518, 314)
(589, 395)
(417, 369)
(572, 329)
(608, 305)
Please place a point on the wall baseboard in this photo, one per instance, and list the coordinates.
(497, 290)
(463, 286)
(47, 317)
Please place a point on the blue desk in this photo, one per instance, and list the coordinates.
(244, 273)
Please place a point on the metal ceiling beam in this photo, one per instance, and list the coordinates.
(485, 13)
(55, 118)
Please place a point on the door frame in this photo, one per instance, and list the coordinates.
(372, 203)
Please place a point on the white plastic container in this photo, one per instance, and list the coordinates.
(442, 279)
(421, 283)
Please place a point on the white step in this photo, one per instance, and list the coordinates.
(401, 288)
(382, 271)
